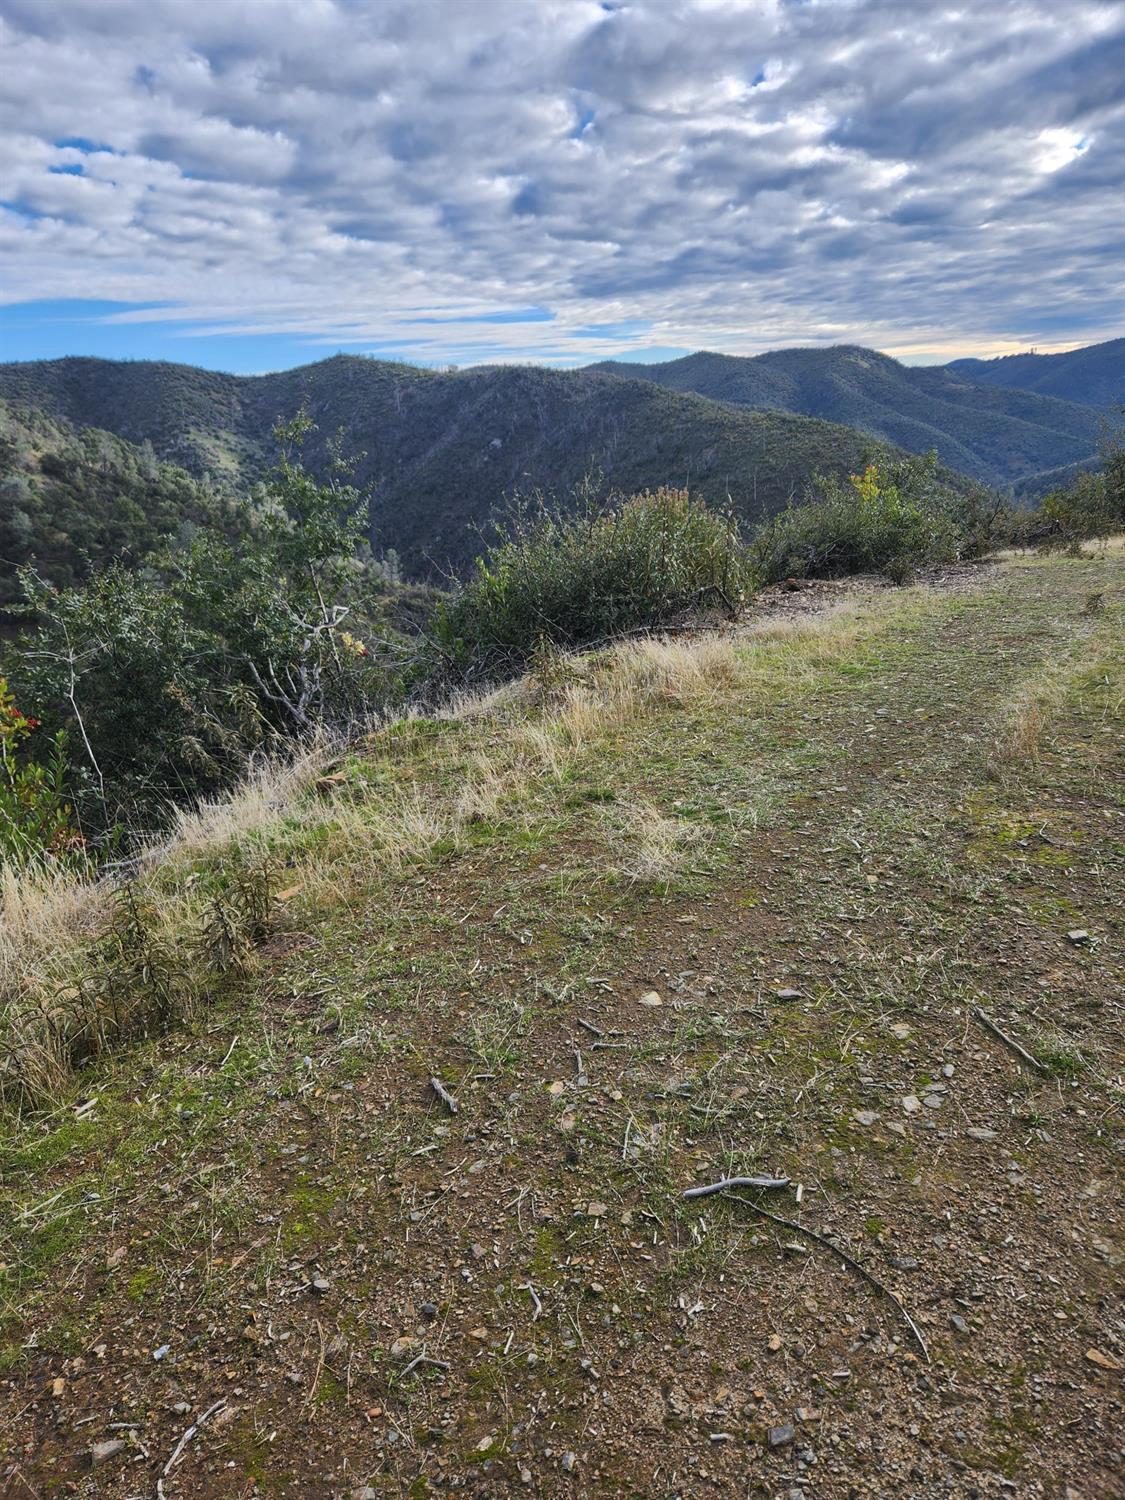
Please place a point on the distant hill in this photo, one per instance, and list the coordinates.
(71, 500)
(1094, 376)
(441, 450)
(994, 434)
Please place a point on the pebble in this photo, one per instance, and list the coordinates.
(781, 1437)
(958, 1322)
(650, 998)
(158, 1354)
(1078, 935)
(933, 1101)
(911, 1104)
(864, 1116)
(788, 994)
(429, 1311)
(568, 1461)
(947, 1070)
(100, 1453)
(980, 1133)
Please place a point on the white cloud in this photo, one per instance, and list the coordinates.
(732, 174)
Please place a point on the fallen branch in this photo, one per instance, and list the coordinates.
(590, 1027)
(1012, 1045)
(424, 1359)
(735, 1182)
(819, 1239)
(444, 1095)
(184, 1441)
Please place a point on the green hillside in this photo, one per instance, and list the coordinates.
(71, 500)
(442, 450)
(996, 435)
(1094, 376)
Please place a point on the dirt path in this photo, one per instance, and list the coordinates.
(743, 933)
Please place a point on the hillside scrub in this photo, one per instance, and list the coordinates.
(894, 517)
(569, 579)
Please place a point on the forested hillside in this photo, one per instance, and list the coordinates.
(1094, 376)
(71, 500)
(440, 451)
(996, 435)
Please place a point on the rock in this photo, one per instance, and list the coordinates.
(957, 1322)
(947, 1070)
(933, 1101)
(568, 1461)
(911, 1104)
(403, 1346)
(101, 1453)
(115, 1257)
(980, 1133)
(864, 1116)
(901, 1030)
(781, 1437)
(904, 1262)
(650, 998)
(365, 1493)
(1077, 936)
(1103, 1361)
(788, 994)
(596, 1289)
(429, 1311)
(596, 1210)
(159, 1354)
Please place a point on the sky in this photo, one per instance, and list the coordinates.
(249, 186)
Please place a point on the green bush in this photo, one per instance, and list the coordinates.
(35, 816)
(569, 580)
(895, 517)
(166, 682)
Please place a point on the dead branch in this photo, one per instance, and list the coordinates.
(184, 1441)
(424, 1359)
(444, 1095)
(828, 1244)
(735, 1182)
(1012, 1045)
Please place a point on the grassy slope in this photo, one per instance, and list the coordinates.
(831, 807)
(442, 450)
(992, 433)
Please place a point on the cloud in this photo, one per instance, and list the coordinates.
(732, 174)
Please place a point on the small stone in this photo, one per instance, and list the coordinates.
(402, 1346)
(788, 994)
(980, 1133)
(1103, 1361)
(864, 1116)
(933, 1101)
(957, 1321)
(774, 1343)
(596, 1210)
(650, 998)
(58, 1386)
(781, 1437)
(1078, 935)
(429, 1311)
(947, 1070)
(911, 1104)
(904, 1262)
(101, 1453)
(568, 1461)
(596, 1289)
(158, 1354)
(525, 1475)
(901, 1030)
(366, 1493)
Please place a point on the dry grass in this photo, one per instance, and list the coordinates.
(655, 848)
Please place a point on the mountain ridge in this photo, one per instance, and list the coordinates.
(995, 434)
(441, 450)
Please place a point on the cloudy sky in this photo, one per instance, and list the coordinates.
(255, 184)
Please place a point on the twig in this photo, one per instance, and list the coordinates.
(424, 1359)
(444, 1095)
(226, 1059)
(820, 1239)
(1012, 1045)
(184, 1441)
(735, 1182)
(590, 1027)
(534, 1295)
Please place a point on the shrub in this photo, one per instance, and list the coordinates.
(35, 817)
(165, 682)
(894, 517)
(570, 580)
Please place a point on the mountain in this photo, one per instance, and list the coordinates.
(1094, 376)
(71, 499)
(441, 450)
(992, 433)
